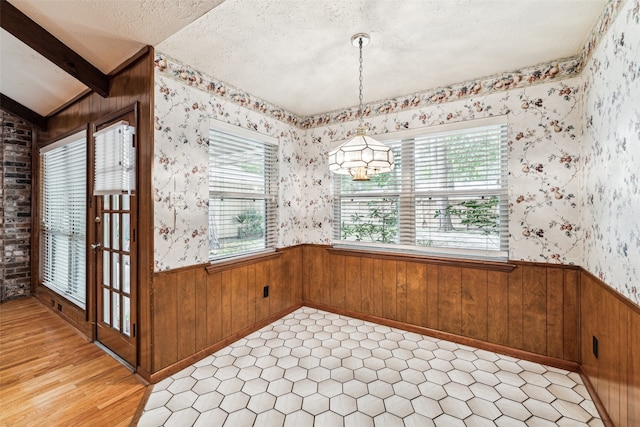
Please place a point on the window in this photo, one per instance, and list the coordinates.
(63, 200)
(446, 195)
(243, 192)
(114, 160)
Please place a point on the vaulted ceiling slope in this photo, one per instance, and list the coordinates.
(104, 32)
(297, 54)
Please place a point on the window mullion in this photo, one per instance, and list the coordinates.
(407, 214)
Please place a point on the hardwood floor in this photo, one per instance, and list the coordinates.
(50, 375)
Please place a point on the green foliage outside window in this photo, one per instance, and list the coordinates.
(251, 224)
(475, 214)
(380, 225)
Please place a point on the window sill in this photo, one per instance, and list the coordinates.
(218, 266)
(453, 262)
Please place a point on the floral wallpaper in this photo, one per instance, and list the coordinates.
(180, 173)
(543, 164)
(611, 155)
(574, 141)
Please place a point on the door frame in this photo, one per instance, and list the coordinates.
(93, 228)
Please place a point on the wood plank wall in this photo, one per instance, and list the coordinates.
(532, 308)
(615, 373)
(194, 310)
(133, 83)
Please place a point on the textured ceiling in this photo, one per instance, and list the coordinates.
(297, 53)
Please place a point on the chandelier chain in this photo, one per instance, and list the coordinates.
(360, 112)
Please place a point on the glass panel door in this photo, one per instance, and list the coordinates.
(116, 295)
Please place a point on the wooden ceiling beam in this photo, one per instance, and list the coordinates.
(37, 38)
(16, 109)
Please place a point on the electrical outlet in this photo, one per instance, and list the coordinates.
(53, 303)
(595, 346)
(265, 292)
(59, 307)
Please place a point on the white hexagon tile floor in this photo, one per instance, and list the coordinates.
(314, 368)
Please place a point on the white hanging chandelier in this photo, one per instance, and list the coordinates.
(362, 156)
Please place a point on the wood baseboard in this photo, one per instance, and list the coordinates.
(483, 345)
(178, 366)
(43, 297)
(604, 415)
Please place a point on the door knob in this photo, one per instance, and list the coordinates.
(95, 246)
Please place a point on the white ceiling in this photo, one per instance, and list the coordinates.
(297, 54)
(104, 32)
(30, 79)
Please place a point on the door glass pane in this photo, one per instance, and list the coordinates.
(125, 202)
(115, 226)
(106, 202)
(126, 316)
(116, 204)
(106, 299)
(116, 271)
(125, 233)
(116, 311)
(126, 274)
(106, 268)
(107, 230)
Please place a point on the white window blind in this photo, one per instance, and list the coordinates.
(114, 160)
(447, 195)
(243, 193)
(63, 218)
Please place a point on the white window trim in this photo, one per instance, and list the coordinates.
(242, 132)
(431, 131)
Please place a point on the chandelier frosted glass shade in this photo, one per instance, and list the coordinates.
(361, 157)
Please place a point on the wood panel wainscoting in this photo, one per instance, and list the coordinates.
(614, 374)
(540, 312)
(200, 309)
(522, 306)
(523, 309)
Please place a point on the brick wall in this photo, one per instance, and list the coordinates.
(15, 208)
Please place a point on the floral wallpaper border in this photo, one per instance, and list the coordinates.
(171, 68)
(542, 73)
(598, 31)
